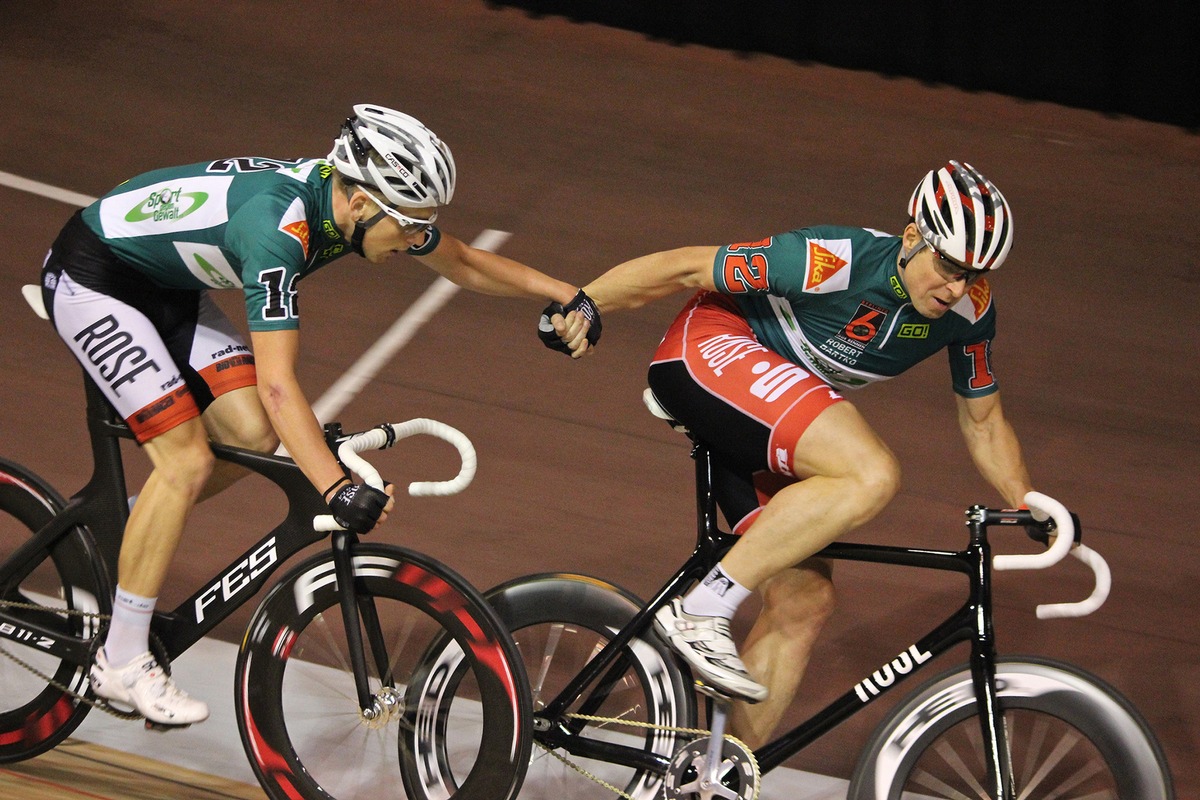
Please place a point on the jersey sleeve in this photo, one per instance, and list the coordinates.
(271, 239)
(971, 357)
(773, 265)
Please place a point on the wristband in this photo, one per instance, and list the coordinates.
(336, 484)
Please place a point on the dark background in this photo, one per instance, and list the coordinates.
(593, 144)
(1119, 58)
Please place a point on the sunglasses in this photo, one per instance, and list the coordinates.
(951, 271)
(409, 226)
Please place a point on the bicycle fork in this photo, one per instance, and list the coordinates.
(359, 614)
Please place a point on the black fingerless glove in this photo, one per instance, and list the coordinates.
(357, 506)
(581, 303)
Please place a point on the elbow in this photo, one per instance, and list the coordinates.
(272, 394)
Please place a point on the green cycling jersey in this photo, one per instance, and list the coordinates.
(833, 299)
(258, 224)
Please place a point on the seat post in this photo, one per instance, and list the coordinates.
(707, 529)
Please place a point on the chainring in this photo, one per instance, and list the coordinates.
(738, 777)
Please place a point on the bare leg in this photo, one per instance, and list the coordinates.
(182, 463)
(849, 475)
(236, 418)
(796, 604)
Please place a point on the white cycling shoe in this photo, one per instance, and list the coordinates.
(143, 685)
(705, 643)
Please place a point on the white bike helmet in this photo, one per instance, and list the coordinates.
(963, 216)
(395, 154)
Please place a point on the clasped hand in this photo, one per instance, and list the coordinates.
(573, 329)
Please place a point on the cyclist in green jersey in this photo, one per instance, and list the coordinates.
(756, 364)
(126, 285)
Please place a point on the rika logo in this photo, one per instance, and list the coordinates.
(826, 269)
(166, 204)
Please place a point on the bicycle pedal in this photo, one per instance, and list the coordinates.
(161, 728)
(715, 693)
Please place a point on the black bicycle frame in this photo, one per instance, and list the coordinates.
(970, 623)
(101, 507)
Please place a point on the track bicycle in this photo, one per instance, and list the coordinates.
(330, 661)
(616, 715)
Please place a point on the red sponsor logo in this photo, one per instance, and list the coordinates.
(981, 296)
(299, 231)
(866, 322)
(823, 265)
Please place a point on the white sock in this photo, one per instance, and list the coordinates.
(129, 629)
(718, 595)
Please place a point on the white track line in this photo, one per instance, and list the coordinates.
(339, 395)
(45, 190)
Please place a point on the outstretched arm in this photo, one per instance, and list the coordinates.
(275, 354)
(489, 273)
(635, 283)
(993, 445)
(648, 278)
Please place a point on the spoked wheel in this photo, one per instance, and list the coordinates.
(1071, 737)
(297, 704)
(560, 622)
(60, 590)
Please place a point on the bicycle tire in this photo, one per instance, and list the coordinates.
(35, 715)
(1070, 735)
(296, 704)
(560, 621)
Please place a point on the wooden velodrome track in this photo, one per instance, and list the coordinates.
(592, 145)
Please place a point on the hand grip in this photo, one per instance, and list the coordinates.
(1043, 507)
(385, 436)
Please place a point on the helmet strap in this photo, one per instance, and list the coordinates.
(907, 255)
(360, 231)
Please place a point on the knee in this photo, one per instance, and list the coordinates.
(878, 479)
(258, 437)
(182, 458)
(187, 468)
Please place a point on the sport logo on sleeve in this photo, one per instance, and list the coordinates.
(828, 265)
(295, 224)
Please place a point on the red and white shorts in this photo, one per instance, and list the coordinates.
(747, 402)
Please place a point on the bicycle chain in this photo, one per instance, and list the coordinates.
(629, 724)
(98, 703)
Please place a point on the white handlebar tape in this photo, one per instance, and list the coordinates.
(377, 439)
